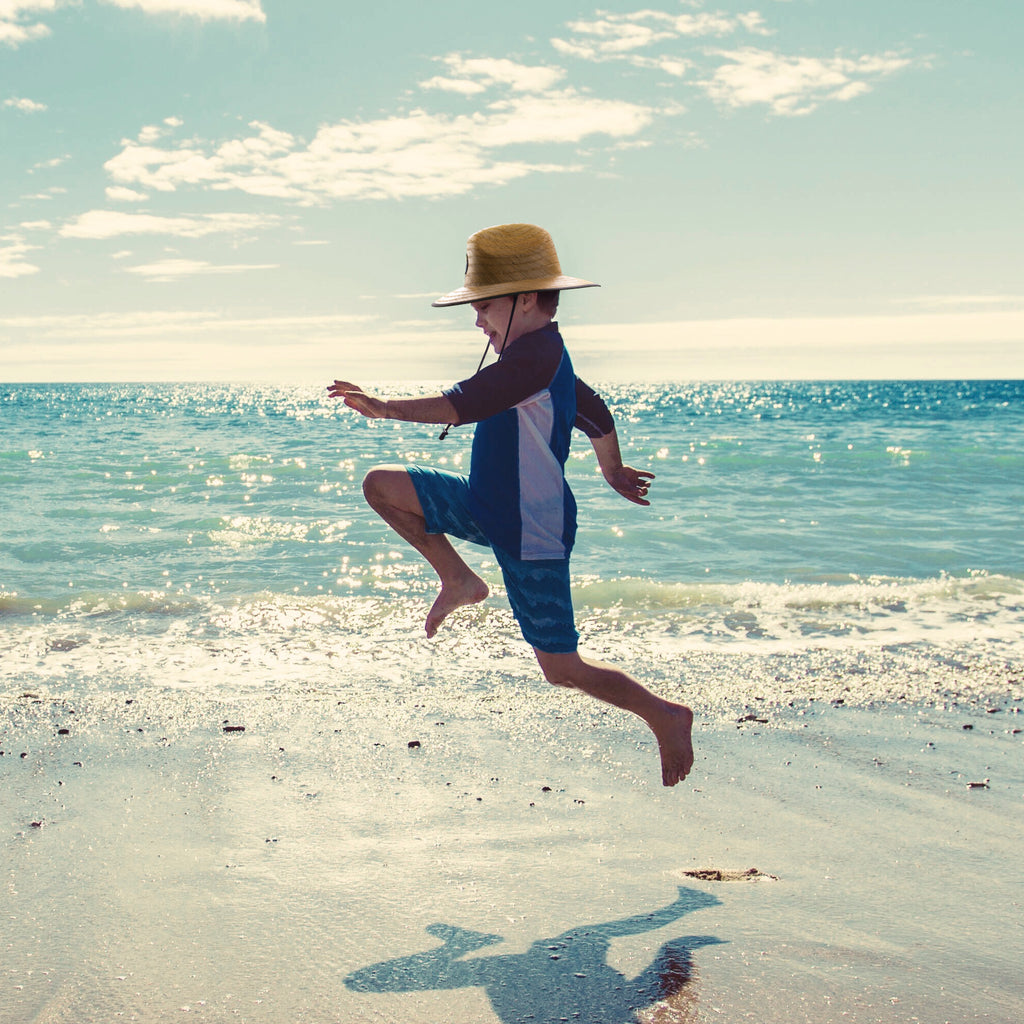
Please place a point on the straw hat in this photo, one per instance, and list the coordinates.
(507, 260)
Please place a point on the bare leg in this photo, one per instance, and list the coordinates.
(390, 493)
(672, 724)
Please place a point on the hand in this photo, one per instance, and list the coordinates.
(355, 398)
(632, 484)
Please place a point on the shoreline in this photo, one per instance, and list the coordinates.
(316, 866)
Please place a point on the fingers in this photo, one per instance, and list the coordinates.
(640, 477)
(641, 484)
(340, 388)
(638, 494)
(635, 494)
(355, 398)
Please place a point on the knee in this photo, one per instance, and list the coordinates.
(372, 483)
(559, 681)
(554, 678)
(378, 484)
(556, 671)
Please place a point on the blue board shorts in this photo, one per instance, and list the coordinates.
(537, 591)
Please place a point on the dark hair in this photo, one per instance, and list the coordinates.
(547, 301)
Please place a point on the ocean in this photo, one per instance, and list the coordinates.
(855, 538)
(238, 783)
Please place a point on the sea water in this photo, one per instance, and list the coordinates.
(215, 538)
(238, 783)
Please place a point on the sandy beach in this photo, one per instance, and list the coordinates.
(508, 856)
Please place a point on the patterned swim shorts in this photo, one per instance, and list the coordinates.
(537, 591)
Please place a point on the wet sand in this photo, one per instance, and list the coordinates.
(506, 857)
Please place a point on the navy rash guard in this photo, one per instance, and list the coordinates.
(525, 406)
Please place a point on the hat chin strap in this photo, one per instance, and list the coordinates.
(501, 352)
(511, 316)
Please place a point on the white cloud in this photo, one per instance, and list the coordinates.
(48, 194)
(149, 323)
(470, 76)
(154, 132)
(675, 66)
(204, 10)
(825, 332)
(463, 86)
(26, 106)
(120, 194)
(12, 262)
(926, 345)
(753, 22)
(739, 77)
(619, 33)
(164, 170)
(151, 133)
(612, 36)
(172, 269)
(941, 301)
(794, 86)
(414, 154)
(104, 224)
(209, 346)
(563, 117)
(16, 24)
(46, 165)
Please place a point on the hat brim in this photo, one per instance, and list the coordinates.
(475, 293)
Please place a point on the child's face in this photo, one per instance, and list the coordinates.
(492, 318)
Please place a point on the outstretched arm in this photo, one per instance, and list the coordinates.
(632, 484)
(438, 968)
(431, 409)
(688, 901)
(595, 419)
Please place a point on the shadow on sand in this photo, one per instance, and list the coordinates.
(563, 978)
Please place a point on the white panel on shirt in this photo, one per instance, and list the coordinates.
(541, 488)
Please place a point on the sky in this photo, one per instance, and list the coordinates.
(275, 190)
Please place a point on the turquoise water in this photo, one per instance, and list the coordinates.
(167, 533)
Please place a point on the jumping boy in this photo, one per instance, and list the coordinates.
(516, 499)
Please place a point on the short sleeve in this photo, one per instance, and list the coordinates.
(592, 415)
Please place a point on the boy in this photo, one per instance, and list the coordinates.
(516, 499)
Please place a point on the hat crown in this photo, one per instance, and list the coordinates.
(510, 253)
(509, 259)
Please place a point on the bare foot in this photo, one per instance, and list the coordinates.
(471, 590)
(673, 732)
